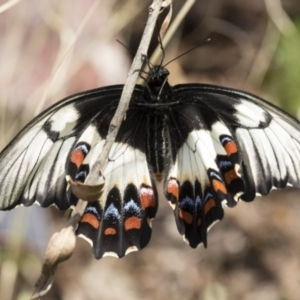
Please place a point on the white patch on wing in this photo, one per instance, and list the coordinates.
(248, 153)
(204, 148)
(265, 152)
(49, 173)
(90, 241)
(31, 173)
(131, 249)
(291, 155)
(126, 165)
(218, 129)
(279, 153)
(212, 224)
(193, 159)
(90, 136)
(64, 120)
(292, 130)
(94, 153)
(249, 114)
(112, 254)
(186, 165)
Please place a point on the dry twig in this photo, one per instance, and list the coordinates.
(174, 26)
(7, 5)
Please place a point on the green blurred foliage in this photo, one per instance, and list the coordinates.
(283, 80)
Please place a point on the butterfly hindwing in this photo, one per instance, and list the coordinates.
(119, 222)
(204, 175)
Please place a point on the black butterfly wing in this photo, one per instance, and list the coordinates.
(33, 164)
(236, 146)
(119, 222)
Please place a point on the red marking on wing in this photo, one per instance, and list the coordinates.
(90, 219)
(132, 223)
(110, 231)
(230, 148)
(230, 175)
(173, 188)
(186, 216)
(77, 157)
(209, 205)
(219, 186)
(147, 198)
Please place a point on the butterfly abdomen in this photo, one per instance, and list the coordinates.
(157, 140)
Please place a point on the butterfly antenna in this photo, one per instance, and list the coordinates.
(150, 66)
(207, 40)
(126, 47)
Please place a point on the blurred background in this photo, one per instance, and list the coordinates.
(51, 49)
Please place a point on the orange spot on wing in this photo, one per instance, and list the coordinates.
(77, 157)
(110, 231)
(132, 223)
(231, 148)
(219, 186)
(209, 205)
(230, 175)
(90, 219)
(173, 188)
(147, 198)
(186, 216)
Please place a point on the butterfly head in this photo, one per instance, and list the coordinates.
(157, 83)
(158, 75)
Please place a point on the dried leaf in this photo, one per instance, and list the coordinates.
(167, 20)
(84, 191)
(59, 249)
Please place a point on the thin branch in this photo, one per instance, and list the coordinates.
(66, 47)
(279, 17)
(62, 244)
(7, 5)
(265, 55)
(174, 26)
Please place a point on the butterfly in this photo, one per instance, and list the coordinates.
(208, 145)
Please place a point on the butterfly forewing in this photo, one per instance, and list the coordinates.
(33, 164)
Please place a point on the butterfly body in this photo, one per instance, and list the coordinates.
(209, 146)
